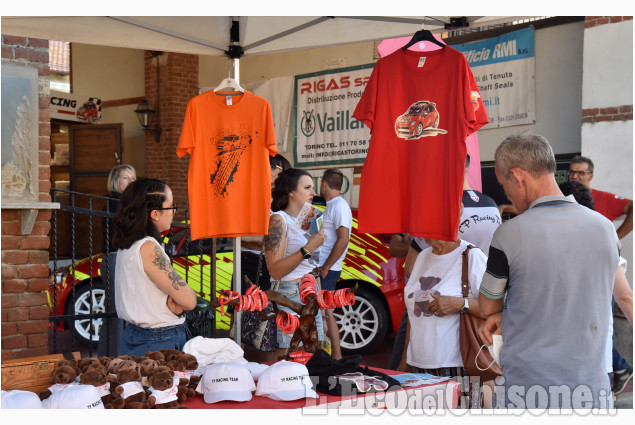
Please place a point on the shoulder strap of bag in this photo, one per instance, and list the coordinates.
(464, 280)
(276, 283)
(262, 254)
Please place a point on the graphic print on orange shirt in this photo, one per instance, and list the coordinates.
(230, 148)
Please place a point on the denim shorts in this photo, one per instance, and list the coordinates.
(329, 283)
(138, 341)
(291, 290)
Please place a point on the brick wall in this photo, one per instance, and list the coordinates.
(592, 21)
(613, 113)
(178, 84)
(25, 257)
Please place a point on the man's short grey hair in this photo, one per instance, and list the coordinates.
(583, 160)
(527, 151)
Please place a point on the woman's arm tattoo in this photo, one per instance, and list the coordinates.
(274, 237)
(162, 263)
(176, 279)
(160, 260)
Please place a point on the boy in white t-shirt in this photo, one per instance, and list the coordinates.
(338, 222)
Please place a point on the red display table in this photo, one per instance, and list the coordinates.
(443, 395)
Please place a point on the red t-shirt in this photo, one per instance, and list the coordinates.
(420, 107)
(229, 178)
(609, 205)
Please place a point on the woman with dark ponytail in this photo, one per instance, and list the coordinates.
(151, 296)
(291, 253)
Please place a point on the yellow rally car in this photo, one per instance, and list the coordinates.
(378, 306)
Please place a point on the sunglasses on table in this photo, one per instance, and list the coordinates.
(364, 383)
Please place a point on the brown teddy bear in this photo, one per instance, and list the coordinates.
(65, 362)
(129, 390)
(170, 354)
(147, 368)
(184, 392)
(111, 370)
(63, 376)
(128, 357)
(191, 365)
(97, 377)
(89, 361)
(113, 365)
(163, 391)
(184, 368)
(156, 355)
(105, 360)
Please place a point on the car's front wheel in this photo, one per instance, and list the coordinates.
(419, 129)
(363, 325)
(86, 329)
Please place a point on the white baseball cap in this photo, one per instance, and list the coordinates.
(226, 381)
(286, 381)
(18, 399)
(77, 396)
(256, 369)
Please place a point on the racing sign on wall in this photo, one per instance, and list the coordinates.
(504, 70)
(324, 130)
(74, 107)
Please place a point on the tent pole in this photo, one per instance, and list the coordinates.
(237, 240)
(236, 69)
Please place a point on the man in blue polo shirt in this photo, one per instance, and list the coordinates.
(551, 268)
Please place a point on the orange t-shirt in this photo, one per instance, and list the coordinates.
(229, 179)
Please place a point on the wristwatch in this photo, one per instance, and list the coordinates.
(466, 306)
(306, 254)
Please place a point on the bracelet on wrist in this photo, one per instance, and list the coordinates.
(306, 254)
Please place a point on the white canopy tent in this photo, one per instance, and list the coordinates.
(210, 35)
(235, 37)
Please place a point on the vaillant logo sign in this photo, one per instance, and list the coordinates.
(324, 104)
(308, 123)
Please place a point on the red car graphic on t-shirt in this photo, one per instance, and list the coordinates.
(420, 120)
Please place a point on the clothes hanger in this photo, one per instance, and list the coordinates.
(423, 35)
(229, 83)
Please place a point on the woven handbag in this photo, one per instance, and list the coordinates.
(469, 339)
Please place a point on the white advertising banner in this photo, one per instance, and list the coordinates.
(504, 70)
(279, 93)
(324, 130)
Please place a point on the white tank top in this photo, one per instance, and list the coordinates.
(296, 239)
(138, 299)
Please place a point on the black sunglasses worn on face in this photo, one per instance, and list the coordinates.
(173, 207)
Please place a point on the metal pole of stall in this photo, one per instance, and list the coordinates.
(237, 240)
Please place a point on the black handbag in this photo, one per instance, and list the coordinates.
(259, 334)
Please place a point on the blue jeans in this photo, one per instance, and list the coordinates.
(138, 341)
(291, 290)
(330, 281)
(619, 362)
